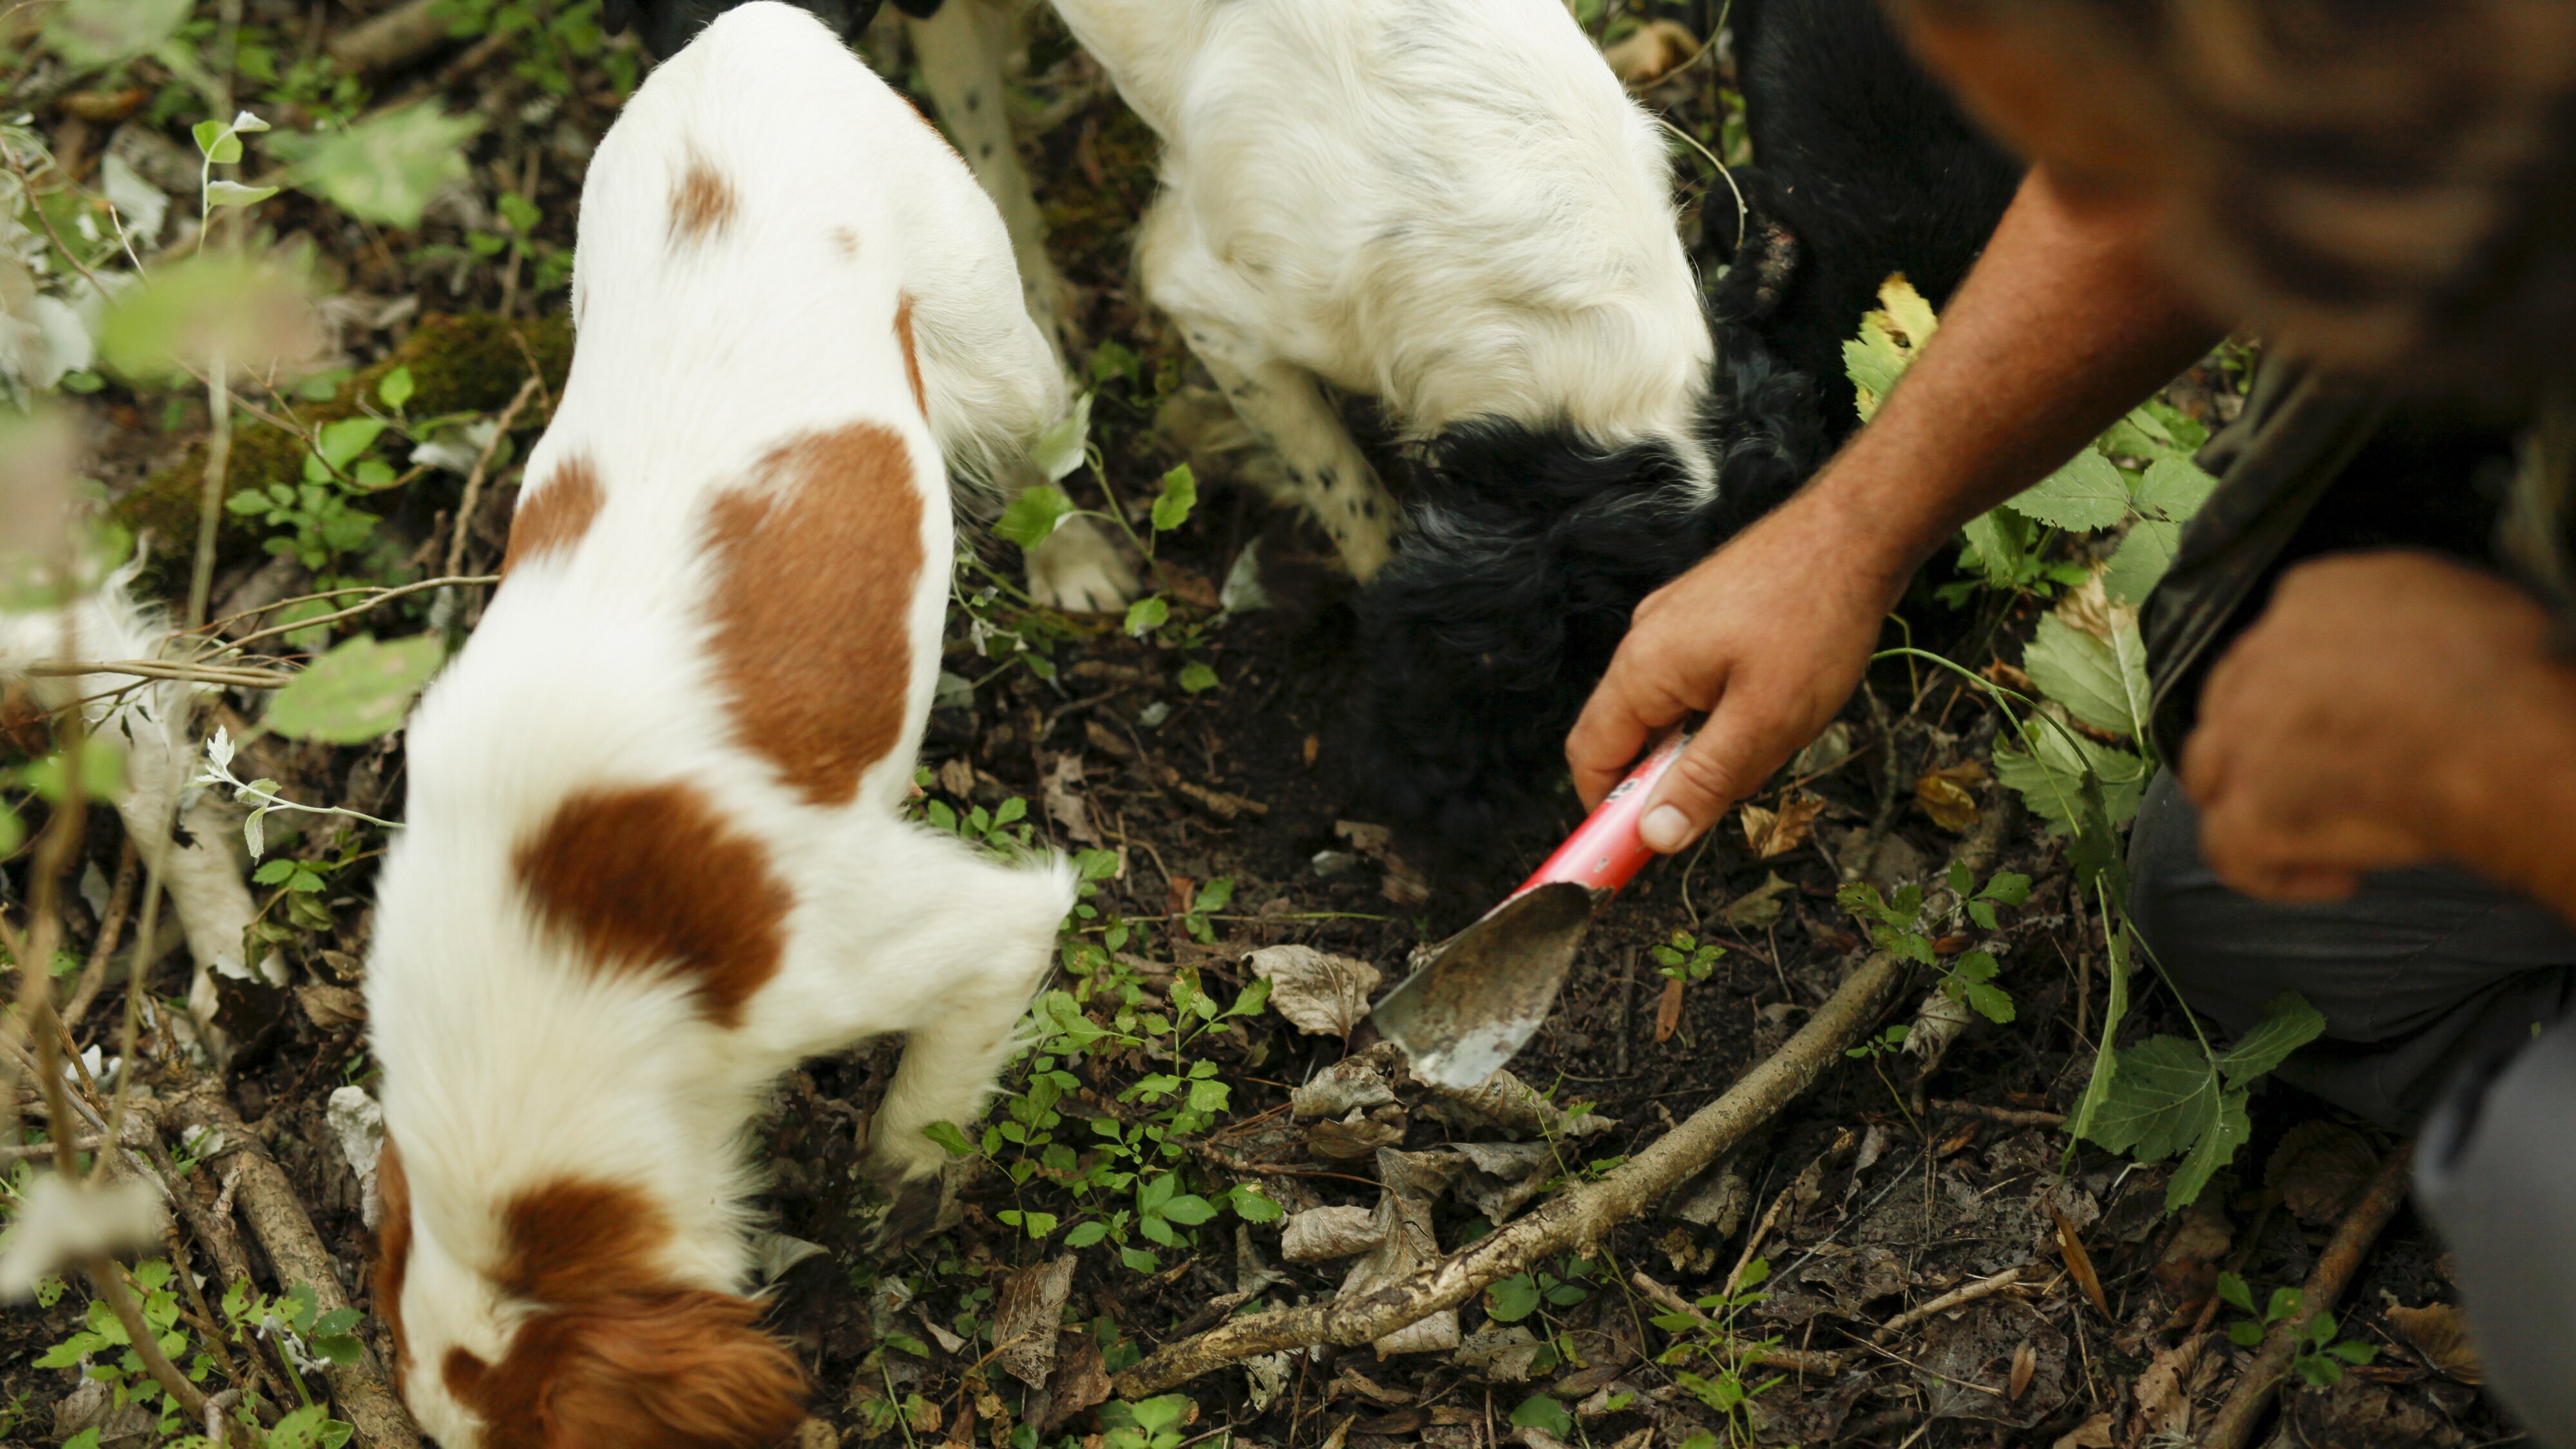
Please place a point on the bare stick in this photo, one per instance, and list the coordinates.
(381, 596)
(474, 480)
(2009, 1116)
(1579, 1217)
(159, 669)
(2334, 1272)
(278, 1220)
(110, 1281)
(1792, 1360)
(1963, 1294)
(210, 503)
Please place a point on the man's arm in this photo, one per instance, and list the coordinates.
(2065, 324)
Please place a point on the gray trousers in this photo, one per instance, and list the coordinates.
(2447, 1004)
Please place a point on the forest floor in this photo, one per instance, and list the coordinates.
(1150, 1170)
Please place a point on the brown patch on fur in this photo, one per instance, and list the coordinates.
(911, 359)
(393, 1251)
(844, 241)
(655, 879)
(702, 204)
(553, 515)
(620, 1355)
(26, 727)
(815, 565)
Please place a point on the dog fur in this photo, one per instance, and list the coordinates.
(655, 853)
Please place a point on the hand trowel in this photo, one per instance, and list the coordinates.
(1485, 991)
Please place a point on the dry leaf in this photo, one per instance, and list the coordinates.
(1949, 796)
(1319, 993)
(2436, 1332)
(1026, 1313)
(1505, 1101)
(957, 777)
(1668, 1011)
(1346, 1086)
(2319, 1169)
(331, 1007)
(2163, 1403)
(1824, 753)
(2079, 1264)
(1320, 1234)
(2093, 1433)
(2025, 1363)
(1080, 1381)
(1066, 805)
(1758, 908)
(1503, 1176)
(1505, 1355)
(1412, 1182)
(1772, 833)
(1651, 51)
(815, 1434)
(2188, 1267)
(1356, 1136)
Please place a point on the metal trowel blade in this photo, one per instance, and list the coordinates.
(1485, 992)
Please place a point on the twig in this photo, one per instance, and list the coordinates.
(2334, 1272)
(482, 464)
(158, 669)
(381, 597)
(278, 1220)
(1965, 1293)
(1793, 1360)
(2009, 1116)
(110, 1282)
(1762, 1228)
(1581, 1216)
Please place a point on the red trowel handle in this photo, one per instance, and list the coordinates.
(1604, 852)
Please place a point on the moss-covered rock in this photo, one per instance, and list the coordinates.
(459, 364)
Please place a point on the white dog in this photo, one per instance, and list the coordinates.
(655, 853)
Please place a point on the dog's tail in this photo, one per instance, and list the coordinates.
(1526, 556)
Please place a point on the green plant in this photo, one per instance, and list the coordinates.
(1685, 957)
(1149, 1423)
(1900, 928)
(1721, 1373)
(302, 1340)
(2320, 1358)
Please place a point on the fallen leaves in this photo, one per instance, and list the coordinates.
(2079, 1263)
(1651, 52)
(1066, 805)
(1025, 1314)
(1319, 993)
(1668, 1010)
(1770, 833)
(1321, 1234)
(1949, 796)
(2319, 1169)
(1412, 1182)
(2436, 1332)
(1758, 908)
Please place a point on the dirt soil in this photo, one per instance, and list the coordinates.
(1881, 1189)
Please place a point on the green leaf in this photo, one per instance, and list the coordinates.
(395, 388)
(251, 312)
(2245, 1333)
(273, 873)
(1512, 1299)
(1188, 1210)
(2354, 1352)
(1538, 1411)
(2165, 1099)
(1034, 515)
(2050, 777)
(1992, 1002)
(233, 193)
(102, 773)
(2174, 488)
(908, 1344)
(383, 169)
(2233, 1292)
(2141, 560)
(2088, 493)
(1180, 495)
(1086, 1234)
(343, 441)
(1251, 1206)
(1059, 450)
(95, 34)
(1197, 678)
(2007, 888)
(2216, 1148)
(2288, 1024)
(2101, 682)
(358, 692)
(947, 1135)
(1147, 615)
(518, 212)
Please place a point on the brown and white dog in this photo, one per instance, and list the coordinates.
(655, 852)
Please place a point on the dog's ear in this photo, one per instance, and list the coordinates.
(678, 1370)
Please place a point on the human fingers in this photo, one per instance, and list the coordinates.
(1624, 711)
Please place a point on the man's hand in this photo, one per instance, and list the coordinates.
(2388, 709)
(1767, 637)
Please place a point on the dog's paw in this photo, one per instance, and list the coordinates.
(914, 1207)
(1078, 568)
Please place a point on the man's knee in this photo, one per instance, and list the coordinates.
(2494, 1174)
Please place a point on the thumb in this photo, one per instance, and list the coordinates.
(1720, 767)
